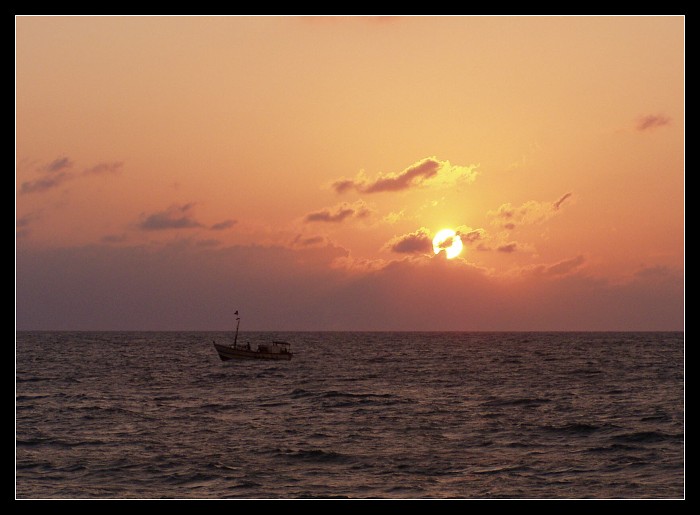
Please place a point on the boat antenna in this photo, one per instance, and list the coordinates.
(238, 322)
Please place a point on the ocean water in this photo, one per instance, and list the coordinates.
(357, 415)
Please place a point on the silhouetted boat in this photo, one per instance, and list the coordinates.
(272, 350)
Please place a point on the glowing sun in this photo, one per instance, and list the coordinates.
(449, 241)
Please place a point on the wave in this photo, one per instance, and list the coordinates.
(505, 468)
(526, 402)
(315, 455)
(576, 428)
(646, 437)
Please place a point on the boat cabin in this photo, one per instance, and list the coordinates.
(274, 347)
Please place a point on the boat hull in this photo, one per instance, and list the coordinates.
(226, 353)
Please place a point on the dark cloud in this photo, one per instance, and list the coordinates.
(56, 173)
(22, 224)
(175, 217)
(59, 164)
(343, 185)
(652, 121)
(301, 241)
(446, 243)
(223, 225)
(469, 235)
(188, 287)
(508, 247)
(412, 243)
(104, 168)
(414, 175)
(339, 213)
(561, 200)
(45, 183)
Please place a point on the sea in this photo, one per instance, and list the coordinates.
(354, 415)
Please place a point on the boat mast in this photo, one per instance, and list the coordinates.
(238, 322)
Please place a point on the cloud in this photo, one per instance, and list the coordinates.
(469, 235)
(22, 224)
(530, 212)
(339, 213)
(45, 183)
(561, 200)
(56, 173)
(223, 225)
(175, 217)
(114, 238)
(208, 243)
(652, 121)
(560, 268)
(300, 241)
(189, 287)
(416, 242)
(508, 247)
(62, 163)
(104, 168)
(428, 171)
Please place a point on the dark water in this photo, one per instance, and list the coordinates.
(379, 415)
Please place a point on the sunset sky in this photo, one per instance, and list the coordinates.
(172, 170)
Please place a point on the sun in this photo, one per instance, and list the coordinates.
(449, 241)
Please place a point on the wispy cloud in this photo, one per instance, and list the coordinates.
(45, 183)
(652, 121)
(23, 223)
(415, 242)
(54, 174)
(428, 171)
(339, 213)
(307, 241)
(104, 168)
(59, 164)
(175, 217)
(508, 247)
(560, 268)
(561, 200)
(531, 212)
(226, 224)
(58, 172)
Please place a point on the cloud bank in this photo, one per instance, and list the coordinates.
(190, 287)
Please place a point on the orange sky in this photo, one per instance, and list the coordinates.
(170, 170)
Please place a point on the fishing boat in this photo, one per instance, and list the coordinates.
(272, 350)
